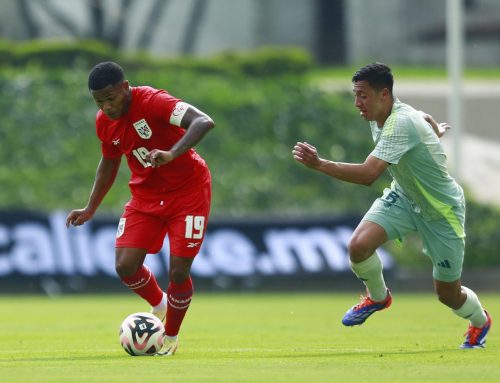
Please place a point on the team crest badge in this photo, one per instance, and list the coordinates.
(143, 129)
(121, 227)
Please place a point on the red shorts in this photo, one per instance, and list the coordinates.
(183, 216)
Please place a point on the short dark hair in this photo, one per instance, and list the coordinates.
(378, 75)
(104, 74)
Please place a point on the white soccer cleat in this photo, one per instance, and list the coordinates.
(169, 347)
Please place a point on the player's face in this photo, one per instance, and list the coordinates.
(113, 100)
(369, 101)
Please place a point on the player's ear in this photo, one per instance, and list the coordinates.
(385, 93)
(125, 85)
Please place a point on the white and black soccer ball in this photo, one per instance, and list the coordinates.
(142, 334)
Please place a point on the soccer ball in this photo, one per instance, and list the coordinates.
(142, 334)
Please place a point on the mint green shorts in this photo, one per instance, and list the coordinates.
(441, 242)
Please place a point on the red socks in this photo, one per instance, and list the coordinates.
(144, 284)
(178, 297)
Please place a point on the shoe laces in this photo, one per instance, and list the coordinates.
(364, 301)
(472, 334)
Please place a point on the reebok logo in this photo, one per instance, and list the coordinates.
(444, 264)
(193, 244)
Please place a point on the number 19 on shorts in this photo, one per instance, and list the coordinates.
(195, 225)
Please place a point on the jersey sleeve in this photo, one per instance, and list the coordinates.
(108, 149)
(395, 140)
(163, 105)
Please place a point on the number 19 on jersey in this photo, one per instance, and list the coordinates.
(195, 225)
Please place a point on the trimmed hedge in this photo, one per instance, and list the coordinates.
(267, 61)
(50, 151)
(54, 53)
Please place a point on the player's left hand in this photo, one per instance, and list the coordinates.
(443, 127)
(158, 157)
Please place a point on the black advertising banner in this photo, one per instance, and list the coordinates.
(38, 253)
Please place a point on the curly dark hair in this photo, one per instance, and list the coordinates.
(104, 74)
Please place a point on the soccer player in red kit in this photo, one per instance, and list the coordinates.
(170, 187)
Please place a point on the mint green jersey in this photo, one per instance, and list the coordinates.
(417, 163)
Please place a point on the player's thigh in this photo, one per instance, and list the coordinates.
(140, 230)
(445, 247)
(188, 223)
(393, 213)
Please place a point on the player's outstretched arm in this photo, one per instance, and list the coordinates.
(363, 174)
(105, 176)
(197, 124)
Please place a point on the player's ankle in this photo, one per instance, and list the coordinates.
(171, 338)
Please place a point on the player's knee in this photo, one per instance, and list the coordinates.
(444, 298)
(449, 298)
(358, 249)
(124, 269)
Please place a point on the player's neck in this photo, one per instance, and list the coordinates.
(385, 114)
(128, 100)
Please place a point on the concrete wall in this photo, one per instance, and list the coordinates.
(395, 31)
(413, 32)
(226, 24)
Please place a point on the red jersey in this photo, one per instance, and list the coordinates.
(144, 127)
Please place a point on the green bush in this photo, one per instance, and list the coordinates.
(49, 137)
(63, 54)
(6, 52)
(267, 61)
(483, 236)
(50, 151)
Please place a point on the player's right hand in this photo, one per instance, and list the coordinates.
(306, 154)
(78, 217)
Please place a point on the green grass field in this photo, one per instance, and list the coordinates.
(245, 338)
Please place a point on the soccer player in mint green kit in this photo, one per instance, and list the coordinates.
(422, 198)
